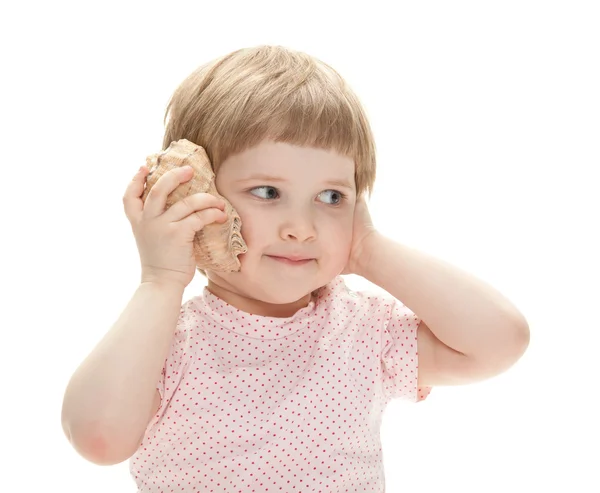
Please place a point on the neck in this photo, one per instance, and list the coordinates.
(257, 307)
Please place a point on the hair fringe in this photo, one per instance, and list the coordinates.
(270, 92)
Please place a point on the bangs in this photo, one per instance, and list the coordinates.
(270, 93)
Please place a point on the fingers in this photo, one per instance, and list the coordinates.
(191, 204)
(200, 219)
(156, 200)
(194, 211)
(132, 202)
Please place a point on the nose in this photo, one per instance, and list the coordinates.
(298, 226)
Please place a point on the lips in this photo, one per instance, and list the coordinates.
(291, 259)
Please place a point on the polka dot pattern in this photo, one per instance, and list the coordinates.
(255, 404)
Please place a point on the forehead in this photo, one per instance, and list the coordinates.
(279, 158)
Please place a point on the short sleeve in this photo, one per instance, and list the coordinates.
(171, 373)
(174, 366)
(399, 357)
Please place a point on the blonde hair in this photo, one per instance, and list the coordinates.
(270, 92)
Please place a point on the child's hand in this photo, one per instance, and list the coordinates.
(165, 238)
(361, 230)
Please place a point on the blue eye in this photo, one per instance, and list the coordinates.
(335, 197)
(265, 192)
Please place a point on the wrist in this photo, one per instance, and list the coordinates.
(366, 254)
(165, 278)
(162, 285)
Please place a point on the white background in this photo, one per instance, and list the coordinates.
(487, 122)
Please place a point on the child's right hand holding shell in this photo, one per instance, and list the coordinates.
(165, 238)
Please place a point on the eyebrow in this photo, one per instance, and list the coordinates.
(278, 179)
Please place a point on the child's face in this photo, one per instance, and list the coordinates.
(290, 200)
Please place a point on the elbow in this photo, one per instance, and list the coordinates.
(102, 452)
(522, 331)
(94, 442)
(513, 350)
(96, 448)
(522, 338)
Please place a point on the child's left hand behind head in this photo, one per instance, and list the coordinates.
(363, 228)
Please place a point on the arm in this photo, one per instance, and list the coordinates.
(112, 396)
(468, 332)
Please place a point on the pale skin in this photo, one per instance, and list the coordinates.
(290, 201)
(482, 332)
(468, 330)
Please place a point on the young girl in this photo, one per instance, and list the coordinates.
(275, 377)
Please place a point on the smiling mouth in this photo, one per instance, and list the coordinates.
(289, 261)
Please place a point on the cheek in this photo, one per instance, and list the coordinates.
(338, 232)
(253, 229)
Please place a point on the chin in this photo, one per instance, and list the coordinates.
(275, 287)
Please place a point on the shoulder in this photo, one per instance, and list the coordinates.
(342, 297)
(362, 302)
(437, 363)
(189, 314)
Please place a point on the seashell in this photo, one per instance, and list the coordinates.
(216, 246)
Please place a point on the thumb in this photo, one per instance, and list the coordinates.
(132, 201)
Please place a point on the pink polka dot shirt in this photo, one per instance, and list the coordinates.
(254, 404)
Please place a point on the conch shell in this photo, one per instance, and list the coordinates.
(216, 246)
